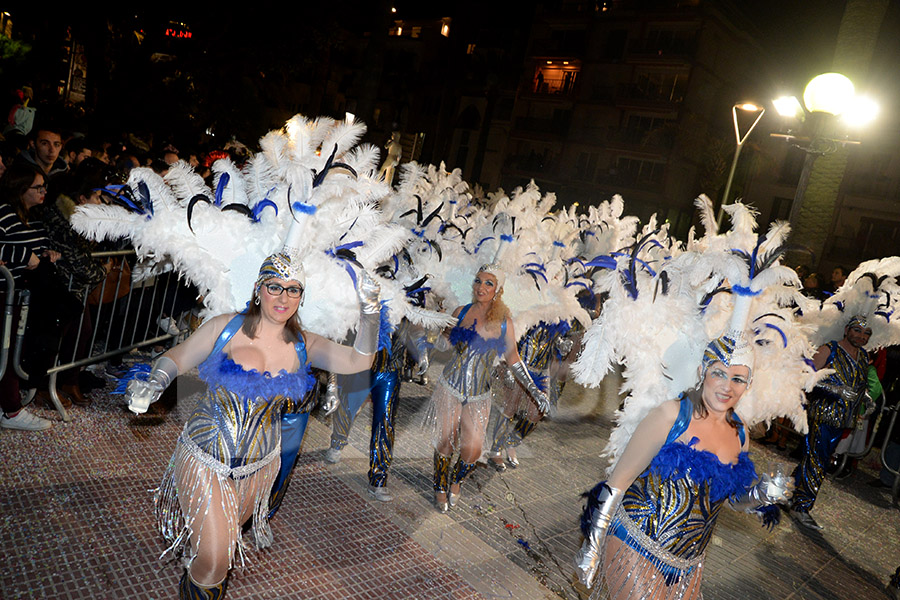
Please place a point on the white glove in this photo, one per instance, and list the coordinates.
(145, 389)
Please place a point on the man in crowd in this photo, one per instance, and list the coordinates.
(44, 149)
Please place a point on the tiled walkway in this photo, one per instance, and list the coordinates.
(77, 518)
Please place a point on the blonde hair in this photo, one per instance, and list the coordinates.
(498, 311)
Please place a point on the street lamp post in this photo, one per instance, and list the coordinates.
(826, 96)
(747, 107)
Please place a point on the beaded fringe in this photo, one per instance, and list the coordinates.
(178, 518)
(652, 574)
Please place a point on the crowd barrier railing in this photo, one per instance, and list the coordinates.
(142, 316)
(6, 331)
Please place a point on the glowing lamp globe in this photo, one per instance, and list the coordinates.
(828, 93)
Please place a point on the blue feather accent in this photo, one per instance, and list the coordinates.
(122, 383)
(220, 189)
(744, 291)
(260, 206)
(384, 327)
(886, 315)
(506, 238)
(558, 244)
(604, 262)
(778, 329)
(480, 242)
(471, 338)
(676, 460)
(219, 370)
(307, 209)
(592, 503)
(770, 515)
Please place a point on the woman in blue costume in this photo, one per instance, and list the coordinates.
(461, 403)
(647, 527)
(228, 454)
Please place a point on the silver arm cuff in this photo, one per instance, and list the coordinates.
(164, 371)
(366, 341)
(588, 557)
(522, 376)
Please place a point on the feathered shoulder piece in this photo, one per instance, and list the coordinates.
(664, 305)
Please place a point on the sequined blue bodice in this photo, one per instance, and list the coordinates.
(676, 500)
(848, 371)
(468, 372)
(237, 421)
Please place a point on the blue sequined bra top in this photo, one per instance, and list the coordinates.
(220, 370)
(676, 500)
(468, 372)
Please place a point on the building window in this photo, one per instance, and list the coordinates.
(631, 170)
(555, 77)
(470, 49)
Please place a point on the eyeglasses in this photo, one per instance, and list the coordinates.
(39, 188)
(275, 290)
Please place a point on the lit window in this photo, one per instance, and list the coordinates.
(470, 49)
(445, 30)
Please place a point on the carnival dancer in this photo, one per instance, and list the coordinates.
(869, 293)
(227, 456)
(675, 464)
(833, 406)
(382, 384)
(648, 525)
(541, 349)
(461, 403)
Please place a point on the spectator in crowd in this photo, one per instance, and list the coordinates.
(77, 149)
(44, 150)
(79, 270)
(838, 277)
(812, 287)
(23, 247)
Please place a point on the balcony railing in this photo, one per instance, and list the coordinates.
(551, 86)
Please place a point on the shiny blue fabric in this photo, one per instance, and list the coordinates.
(293, 427)
(384, 387)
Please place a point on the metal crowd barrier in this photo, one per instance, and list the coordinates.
(119, 326)
(7, 318)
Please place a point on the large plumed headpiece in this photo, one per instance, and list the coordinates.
(731, 350)
(496, 270)
(858, 321)
(280, 265)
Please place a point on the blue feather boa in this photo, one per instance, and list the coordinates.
(471, 338)
(219, 370)
(676, 460)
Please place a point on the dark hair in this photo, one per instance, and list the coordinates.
(76, 145)
(15, 182)
(47, 126)
(89, 175)
(292, 331)
(696, 396)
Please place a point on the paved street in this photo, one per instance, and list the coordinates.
(77, 517)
